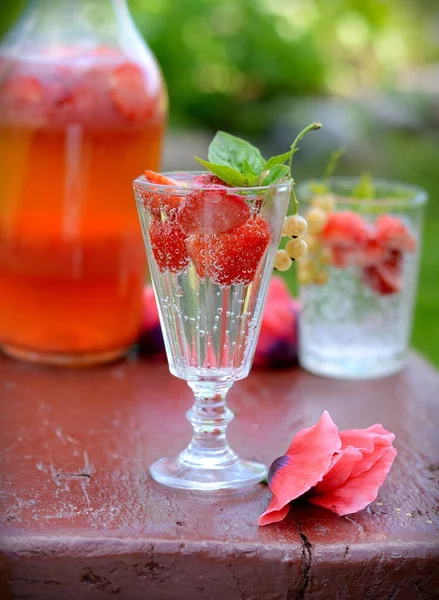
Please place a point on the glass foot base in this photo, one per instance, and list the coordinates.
(64, 360)
(351, 366)
(176, 473)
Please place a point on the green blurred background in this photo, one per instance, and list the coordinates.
(368, 69)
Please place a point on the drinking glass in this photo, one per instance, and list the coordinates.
(211, 251)
(358, 283)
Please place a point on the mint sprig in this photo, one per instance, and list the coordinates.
(231, 151)
(241, 164)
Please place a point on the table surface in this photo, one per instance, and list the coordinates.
(81, 518)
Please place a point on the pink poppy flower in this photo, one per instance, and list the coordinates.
(338, 470)
(150, 340)
(277, 342)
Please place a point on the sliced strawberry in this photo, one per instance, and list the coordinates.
(23, 89)
(157, 202)
(372, 253)
(129, 94)
(197, 246)
(168, 246)
(209, 180)
(385, 278)
(342, 257)
(212, 211)
(232, 257)
(392, 233)
(345, 230)
(158, 178)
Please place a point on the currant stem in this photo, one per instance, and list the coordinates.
(295, 201)
(312, 127)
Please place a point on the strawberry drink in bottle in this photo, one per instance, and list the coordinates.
(82, 110)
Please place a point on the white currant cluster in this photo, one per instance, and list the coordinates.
(314, 268)
(294, 227)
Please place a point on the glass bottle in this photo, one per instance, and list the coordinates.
(82, 112)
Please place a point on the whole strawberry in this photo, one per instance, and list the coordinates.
(232, 257)
(168, 246)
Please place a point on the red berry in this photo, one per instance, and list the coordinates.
(168, 246)
(372, 253)
(157, 202)
(345, 230)
(232, 257)
(392, 233)
(212, 211)
(129, 94)
(197, 246)
(23, 88)
(209, 180)
(158, 178)
(385, 278)
(342, 257)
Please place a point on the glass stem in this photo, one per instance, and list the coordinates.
(209, 416)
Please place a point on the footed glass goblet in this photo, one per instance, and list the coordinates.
(211, 250)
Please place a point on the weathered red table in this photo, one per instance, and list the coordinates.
(82, 518)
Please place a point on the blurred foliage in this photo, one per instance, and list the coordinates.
(226, 62)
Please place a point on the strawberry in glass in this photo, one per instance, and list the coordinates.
(358, 283)
(212, 241)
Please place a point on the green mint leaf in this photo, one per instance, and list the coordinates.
(251, 178)
(231, 151)
(276, 173)
(224, 172)
(277, 160)
(364, 188)
(247, 168)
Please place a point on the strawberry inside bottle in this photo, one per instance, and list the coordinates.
(78, 122)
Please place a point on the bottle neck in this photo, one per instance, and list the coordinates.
(61, 24)
(89, 6)
(101, 15)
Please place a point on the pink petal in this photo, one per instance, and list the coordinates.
(378, 428)
(373, 443)
(278, 291)
(359, 438)
(369, 460)
(340, 470)
(273, 516)
(278, 320)
(359, 491)
(365, 439)
(150, 311)
(307, 460)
